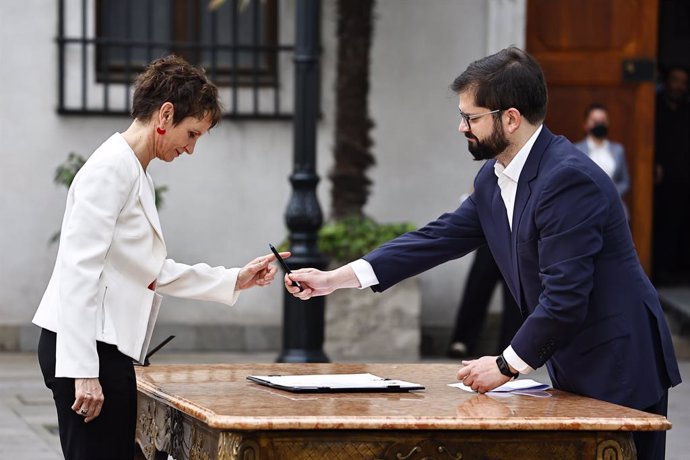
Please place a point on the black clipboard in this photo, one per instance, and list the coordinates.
(335, 383)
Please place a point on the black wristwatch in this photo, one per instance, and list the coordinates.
(504, 368)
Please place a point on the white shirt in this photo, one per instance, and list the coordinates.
(602, 156)
(507, 182)
(508, 176)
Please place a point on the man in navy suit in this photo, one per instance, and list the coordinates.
(555, 224)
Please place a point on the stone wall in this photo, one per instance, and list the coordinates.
(364, 325)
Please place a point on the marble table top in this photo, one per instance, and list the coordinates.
(220, 396)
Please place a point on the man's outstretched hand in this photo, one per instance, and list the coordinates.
(317, 283)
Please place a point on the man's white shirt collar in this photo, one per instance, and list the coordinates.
(515, 166)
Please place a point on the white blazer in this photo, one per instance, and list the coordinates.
(111, 250)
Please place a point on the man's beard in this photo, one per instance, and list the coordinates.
(491, 147)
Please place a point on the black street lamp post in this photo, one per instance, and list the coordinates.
(303, 321)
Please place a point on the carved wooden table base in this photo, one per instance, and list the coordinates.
(163, 429)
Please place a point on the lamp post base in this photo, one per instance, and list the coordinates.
(302, 356)
(303, 330)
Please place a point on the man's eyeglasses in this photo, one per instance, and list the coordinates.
(466, 117)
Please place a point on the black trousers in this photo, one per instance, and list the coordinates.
(110, 436)
(651, 445)
(481, 281)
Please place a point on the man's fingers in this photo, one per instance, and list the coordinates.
(465, 370)
(306, 292)
(291, 278)
(465, 373)
(304, 297)
(294, 290)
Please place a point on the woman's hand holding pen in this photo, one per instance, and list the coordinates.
(258, 272)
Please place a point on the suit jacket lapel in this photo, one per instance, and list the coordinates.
(503, 242)
(147, 200)
(524, 190)
(498, 211)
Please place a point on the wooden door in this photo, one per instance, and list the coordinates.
(603, 51)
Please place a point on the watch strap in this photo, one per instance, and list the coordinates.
(504, 368)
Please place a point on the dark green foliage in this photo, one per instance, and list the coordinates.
(64, 173)
(350, 238)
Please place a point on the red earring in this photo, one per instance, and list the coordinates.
(160, 131)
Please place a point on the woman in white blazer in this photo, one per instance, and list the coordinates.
(111, 266)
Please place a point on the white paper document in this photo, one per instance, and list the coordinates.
(155, 308)
(514, 386)
(334, 382)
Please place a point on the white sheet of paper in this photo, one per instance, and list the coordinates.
(332, 380)
(520, 385)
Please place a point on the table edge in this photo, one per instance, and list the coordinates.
(229, 422)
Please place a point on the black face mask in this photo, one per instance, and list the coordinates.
(599, 131)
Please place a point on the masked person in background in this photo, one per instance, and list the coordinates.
(609, 155)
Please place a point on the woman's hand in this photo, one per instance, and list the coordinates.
(88, 398)
(258, 272)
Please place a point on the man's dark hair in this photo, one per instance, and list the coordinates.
(594, 106)
(509, 78)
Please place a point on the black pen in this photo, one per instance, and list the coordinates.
(284, 265)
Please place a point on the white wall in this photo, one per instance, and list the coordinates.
(226, 202)
(423, 162)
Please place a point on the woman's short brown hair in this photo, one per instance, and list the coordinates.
(172, 79)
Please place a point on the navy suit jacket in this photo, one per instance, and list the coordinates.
(590, 312)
